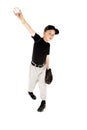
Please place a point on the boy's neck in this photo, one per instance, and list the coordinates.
(45, 39)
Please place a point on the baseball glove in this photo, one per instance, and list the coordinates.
(48, 76)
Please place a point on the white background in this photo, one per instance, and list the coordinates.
(67, 95)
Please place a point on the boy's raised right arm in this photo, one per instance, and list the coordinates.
(19, 14)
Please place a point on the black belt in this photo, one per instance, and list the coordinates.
(36, 64)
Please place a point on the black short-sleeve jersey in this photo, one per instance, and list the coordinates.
(40, 50)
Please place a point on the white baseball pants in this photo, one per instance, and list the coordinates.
(37, 75)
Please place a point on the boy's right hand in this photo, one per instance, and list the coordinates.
(18, 13)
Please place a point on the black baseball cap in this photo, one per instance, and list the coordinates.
(51, 27)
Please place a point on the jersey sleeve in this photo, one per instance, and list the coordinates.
(36, 37)
(48, 50)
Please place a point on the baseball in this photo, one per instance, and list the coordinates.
(16, 10)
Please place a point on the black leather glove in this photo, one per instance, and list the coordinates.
(48, 76)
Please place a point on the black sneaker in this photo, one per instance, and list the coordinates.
(32, 95)
(42, 106)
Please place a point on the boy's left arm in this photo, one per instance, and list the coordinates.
(47, 62)
(48, 73)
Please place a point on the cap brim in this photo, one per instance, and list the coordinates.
(56, 31)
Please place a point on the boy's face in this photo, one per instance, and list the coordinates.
(48, 35)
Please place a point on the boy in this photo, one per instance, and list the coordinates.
(40, 58)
